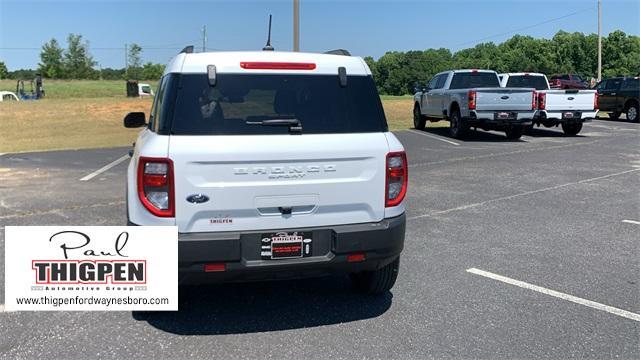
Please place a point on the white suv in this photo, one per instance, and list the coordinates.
(272, 165)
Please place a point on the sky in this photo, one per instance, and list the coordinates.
(365, 28)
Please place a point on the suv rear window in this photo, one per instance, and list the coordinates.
(524, 81)
(468, 80)
(633, 84)
(318, 101)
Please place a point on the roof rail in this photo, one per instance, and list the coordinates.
(342, 52)
(187, 50)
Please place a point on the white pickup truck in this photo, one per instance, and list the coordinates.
(474, 98)
(568, 108)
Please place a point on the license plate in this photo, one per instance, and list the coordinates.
(503, 115)
(571, 115)
(286, 245)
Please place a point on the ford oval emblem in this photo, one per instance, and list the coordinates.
(197, 198)
(504, 97)
(570, 98)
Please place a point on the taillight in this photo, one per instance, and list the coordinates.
(397, 178)
(534, 100)
(596, 100)
(155, 186)
(542, 101)
(472, 99)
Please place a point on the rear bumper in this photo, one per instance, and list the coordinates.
(585, 116)
(488, 117)
(380, 242)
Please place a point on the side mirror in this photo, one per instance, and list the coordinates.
(135, 120)
(425, 89)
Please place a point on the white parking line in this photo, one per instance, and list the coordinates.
(563, 296)
(2, 154)
(631, 222)
(1, 308)
(105, 168)
(433, 137)
(469, 206)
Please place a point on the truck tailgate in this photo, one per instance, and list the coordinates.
(559, 100)
(504, 99)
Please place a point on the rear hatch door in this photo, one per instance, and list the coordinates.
(253, 181)
(255, 174)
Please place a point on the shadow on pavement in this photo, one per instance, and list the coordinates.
(267, 306)
(472, 135)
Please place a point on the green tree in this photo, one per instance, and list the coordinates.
(134, 69)
(50, 65)
(620, 54)
(78, 62)
(4, 73)
(152, 71)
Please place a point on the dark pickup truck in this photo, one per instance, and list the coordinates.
(619, 95)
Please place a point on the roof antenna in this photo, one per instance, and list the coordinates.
(268, 47)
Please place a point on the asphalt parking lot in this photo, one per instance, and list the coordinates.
(514, 249)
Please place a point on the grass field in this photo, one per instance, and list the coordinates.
(88, 114)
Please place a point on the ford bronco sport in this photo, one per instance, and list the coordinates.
(273, 165)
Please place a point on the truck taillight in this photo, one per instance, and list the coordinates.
(156, 186)
(534, 100)
(596, 104)
(397, 174)
(472, 99)
(542, 101)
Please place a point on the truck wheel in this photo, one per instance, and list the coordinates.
(419, 120)
(514, 132)
(457, 125)
(632, 113)
(571, 129)
(376, 281)
(614, 115)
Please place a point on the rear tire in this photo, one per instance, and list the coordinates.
(458, 126)
(419, 120)
(376, 281)
(514, 132)
(571, 129)
(632, 113)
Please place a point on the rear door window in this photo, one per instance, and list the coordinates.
(467, 80)
(442, 78)
(631, 84)
(318, 101)
(613, 84)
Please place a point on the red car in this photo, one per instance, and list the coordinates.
(568, 81)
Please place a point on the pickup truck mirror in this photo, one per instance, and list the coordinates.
(135, 120)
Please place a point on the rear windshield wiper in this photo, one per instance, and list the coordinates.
(294, 124)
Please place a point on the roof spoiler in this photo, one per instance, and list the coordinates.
(187, 50)
(342, 52)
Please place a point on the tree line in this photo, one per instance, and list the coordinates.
(396, 73)
(76, 62)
